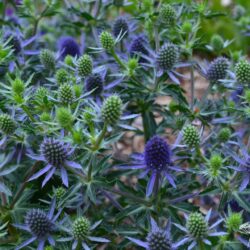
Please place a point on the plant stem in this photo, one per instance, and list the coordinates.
(21, 189)
(156, 34)
(204, 97)
(118, 60)
(26, 110)
(201, 245)
(192, 86)
(100, 138)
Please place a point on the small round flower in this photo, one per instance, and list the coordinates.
(157, 154)
(224, 134)
(234, 221)
(217, 42)
(54, 151)
(94, 81)
(81, 227)
(59, 193)
(186, 27)
(84, 65)
(112, 110)
(218, 69)
(68, 46)
(64, 117)
(168, 14)
(45, 117)
(167, 56)
(191, 136)
(158, 240)
(215, 162)
(69, 60)
(107, 40)
(7, 125)
(39, 223)
(18, 86)
(196, 225)
(138, 46)
(242, 71)
(66, 94)
(47, 59)
(61, 76)
(120, 27)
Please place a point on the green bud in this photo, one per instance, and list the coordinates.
(247, 96)
(47, 59)
(59, 193)
(242, 71)
(66, 94)
(217, 42)
(69, 60)
(215, 162)
(196, 225)
(112, 110)
(64, 118)
(234, 221)
(77, 90)
(7, 125)
(84, 65)
(81, 227)
(186, 27)
(18, 87)
(45, 117)
(107, 40)
(61, 76)
(191, 136)
(224, 134)
(168, 14)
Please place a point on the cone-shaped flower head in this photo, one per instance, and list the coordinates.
(167, 56)
(224, 134)
(158, 240)
(81, 227)
(112, 109)
(157, 154)
(54, 151)
(61, 76)
(120, 27)
(234, 221)
(138, 46)
(84, 65)
(191, 136)
(39, 223)
(47, 59)
(218, 69)
(94, 81)
(107, 40)
(242, 71)
(59, 192)
(66, 94)
(64, 117)
(168, 14)
(196, 225)
(7, 125)
(68, 46)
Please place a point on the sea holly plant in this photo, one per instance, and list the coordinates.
(124, 125)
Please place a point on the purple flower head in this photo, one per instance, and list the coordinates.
(94, 83)
(138, 46)
(157, 154)
(40, 225)
(14, 42)
(56, 154)
(120, 27)
(157, 239)
(155, 160)
(68, 46)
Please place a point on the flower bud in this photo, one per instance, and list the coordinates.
(64, 117)
(191, 136)
(242, 71)
(196, 225)
(84, 65)
(217, 42)
(18, 87)
(69, 61)
(45, 117)
(7, 125)
(112, 110)
(59, 193)
(186, 27)
(234, 221)
(158, 240)
(217, 69)
(168, 14)
(107, 40)
(66, 94)
(81, 228)
(47, 59)
(215, 162)
(224, 134)
(61, 76)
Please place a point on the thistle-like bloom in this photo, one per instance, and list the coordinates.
(56, 154)
(68, 46)
(157, 160)
(41, 225)
(120, 27)
(198, 229)
(80, 232)
(244, 164)
(157, 239)
(139, 46)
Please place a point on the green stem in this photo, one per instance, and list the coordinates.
(26, 110)
(21, 189)
(204, 97)
(100, 138)
(156, 34)
(118, 60)
(192, 87)
(201, 245)
(90, 171)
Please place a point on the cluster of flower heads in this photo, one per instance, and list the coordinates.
(82, 83)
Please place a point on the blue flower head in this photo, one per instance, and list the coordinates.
(68, 46)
